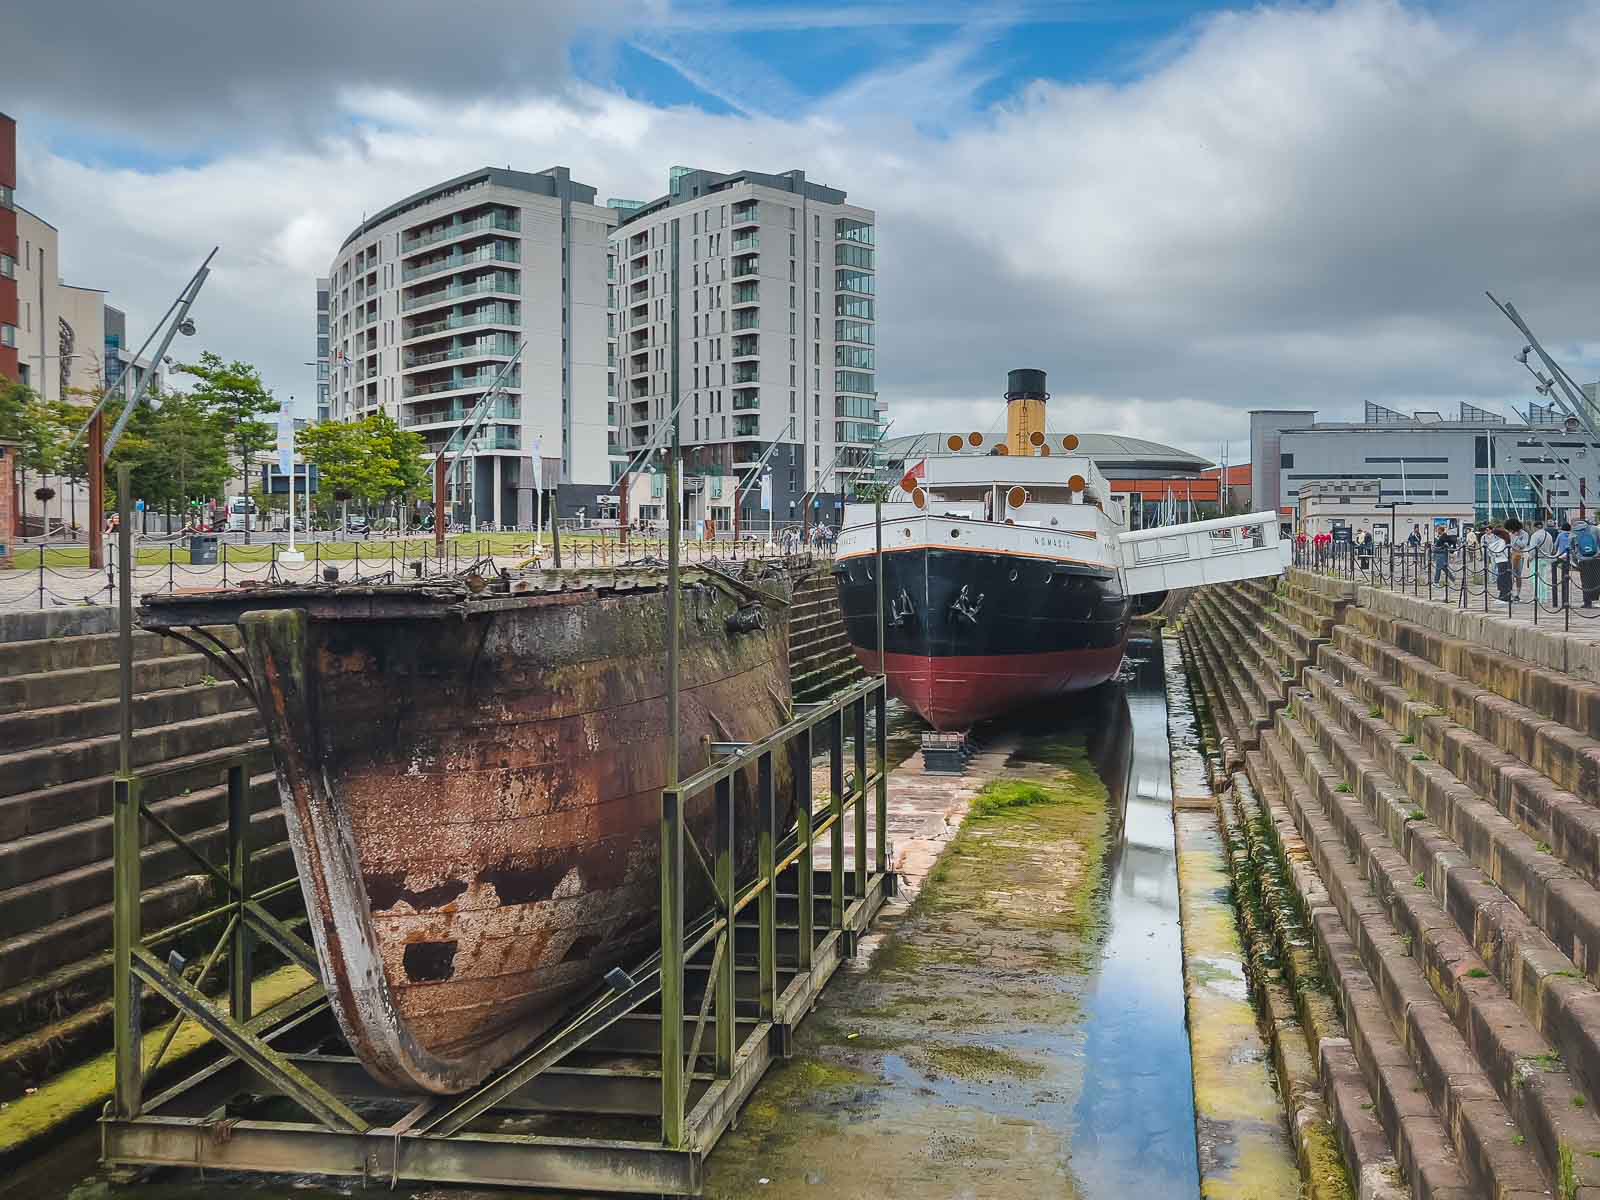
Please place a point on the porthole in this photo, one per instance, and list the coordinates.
(955, 533)
(1013, 576)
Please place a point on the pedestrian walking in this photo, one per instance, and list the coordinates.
(1585, 555)
(1497, 554)
(1443, 545)
(1519, 554)
(1542, 548)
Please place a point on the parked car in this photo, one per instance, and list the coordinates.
(356, 525)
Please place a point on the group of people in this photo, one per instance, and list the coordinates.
(1511, 551)
(818, 537)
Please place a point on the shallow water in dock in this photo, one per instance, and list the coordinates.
(1020, 1034)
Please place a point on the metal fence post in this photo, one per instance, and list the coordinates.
(883, 774)
(860, 711)
(672, 1127)
(836, 812)
(239, 972)
(41, 573)
(127, 1032)
(805, 867)
(767, 903)
(724, 981)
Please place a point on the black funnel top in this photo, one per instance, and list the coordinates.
(1025, 383)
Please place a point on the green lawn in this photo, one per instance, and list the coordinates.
(466, 545)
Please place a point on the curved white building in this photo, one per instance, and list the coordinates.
(429, 299)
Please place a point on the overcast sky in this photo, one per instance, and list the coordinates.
(1181, 212)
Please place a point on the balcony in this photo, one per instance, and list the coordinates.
(639, 318)
(443, 233)
(747, 426)
(485, 314)
(749, 318)
(746, 212)
(746, 399)
(505, 409)
(410, 389)
(750, 264)
(477, 348)
(496, 281)
(506, 252)
(746, 293)
(639, 339)
(746, 373)
(748, 241)
(746, 347)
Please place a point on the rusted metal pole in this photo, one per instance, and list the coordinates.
(95, 460)
(438, 508)
(125, 614)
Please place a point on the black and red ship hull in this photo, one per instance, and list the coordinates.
(973, 634)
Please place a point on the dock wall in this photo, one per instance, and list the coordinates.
(1410, 793)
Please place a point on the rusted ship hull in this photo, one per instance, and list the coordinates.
(472, 790)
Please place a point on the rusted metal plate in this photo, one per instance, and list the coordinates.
(474, 803)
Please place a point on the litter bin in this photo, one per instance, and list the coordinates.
(202, 549)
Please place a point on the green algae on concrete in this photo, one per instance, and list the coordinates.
(76, 1094)
(945, 1068)
(1244, 1146)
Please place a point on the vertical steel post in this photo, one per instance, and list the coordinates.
(767, 903)
(439, 502)
(94, 459)
(239, 966)
(672, 1065)
(726, 1023)
(836, 810)
(882, 817)
(860, 711)
(125, 618)
(127, 1033)
(805, 866)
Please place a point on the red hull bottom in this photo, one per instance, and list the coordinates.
(958, 692)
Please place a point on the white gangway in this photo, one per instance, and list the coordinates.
(1220, 550)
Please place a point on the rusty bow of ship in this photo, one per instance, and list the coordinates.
(471, 778)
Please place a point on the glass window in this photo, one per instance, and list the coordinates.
(854, 381)
(853, 281)
(1285, 461)
(853, 406)
(846, 254)
(852, 306)
(7, 198)
(850, 230)
(853, 356)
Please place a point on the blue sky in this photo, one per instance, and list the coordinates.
(1182, 211)
(718, 57)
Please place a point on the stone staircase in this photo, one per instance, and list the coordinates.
(58, 751)
(1427, 808)
(820, 659)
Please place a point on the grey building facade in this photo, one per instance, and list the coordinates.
(1423, 460)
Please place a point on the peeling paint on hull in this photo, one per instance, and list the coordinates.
(473, 802)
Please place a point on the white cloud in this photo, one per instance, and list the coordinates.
(1296, 206)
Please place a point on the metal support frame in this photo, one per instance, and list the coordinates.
(715, 1026)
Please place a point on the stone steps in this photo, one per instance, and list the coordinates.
(45, 727)
(80, 685)
(67, 653)
(70, 762)
(1434, 902)
(51, 875)
(1489, 1151)
(88, 932)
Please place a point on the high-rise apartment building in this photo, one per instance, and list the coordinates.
(428, 301)
(324, 402)
(10, 364)
(771, 280)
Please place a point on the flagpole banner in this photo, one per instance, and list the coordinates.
(538, 462)
(286, 441)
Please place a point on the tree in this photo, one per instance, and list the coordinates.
(234, 394)
(374, 460)
(35, 426)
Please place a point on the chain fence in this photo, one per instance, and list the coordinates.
(48, 575)
(1538, 586)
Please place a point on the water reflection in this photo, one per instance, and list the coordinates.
(1135, 1116)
